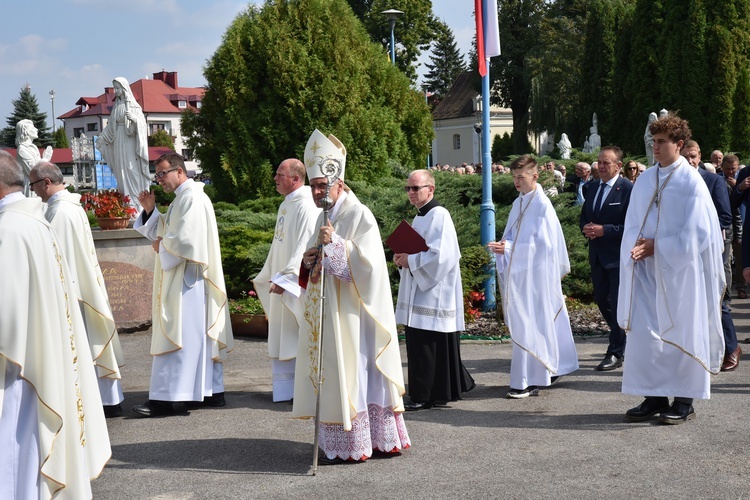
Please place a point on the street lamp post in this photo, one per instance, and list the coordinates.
(52, 98)
(392, 15)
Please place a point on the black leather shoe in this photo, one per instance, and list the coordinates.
(555, 379)
(418, 406)
(113, 411)
(610, 362)
(647, 409)
(324, 460)
(154, 408)
(677, 414)
(215, 401)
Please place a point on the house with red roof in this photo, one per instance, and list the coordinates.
(162, 99)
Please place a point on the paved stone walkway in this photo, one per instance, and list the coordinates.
(569, 442)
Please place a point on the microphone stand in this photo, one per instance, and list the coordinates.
(332, 170)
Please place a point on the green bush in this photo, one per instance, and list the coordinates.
(246, 231)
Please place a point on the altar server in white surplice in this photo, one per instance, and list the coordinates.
(671, 283)
(191, 332)
(67, 218)
(277, 284)
(361, 406)
(531, 260)
(53, 436)
(430, 302)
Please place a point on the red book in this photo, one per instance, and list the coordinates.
(405, 239)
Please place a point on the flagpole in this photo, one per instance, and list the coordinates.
(487, 211)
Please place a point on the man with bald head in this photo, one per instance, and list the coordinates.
(577, 183)
(67, 218)
(277, 283)
(430, 302)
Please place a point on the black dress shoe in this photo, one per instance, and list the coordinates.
(677, 414)
(153, 408)
(610, 362)
(647, 409)
(324, 460)
(215, 401)
(418, 406)
(113, 411)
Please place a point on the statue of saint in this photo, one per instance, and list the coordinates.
(564, 146)
(124, 145)
(648, 139)
(27, 152)
(595, 141)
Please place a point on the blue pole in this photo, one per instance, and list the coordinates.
(487, 213)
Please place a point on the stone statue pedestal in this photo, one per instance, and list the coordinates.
(127, 261)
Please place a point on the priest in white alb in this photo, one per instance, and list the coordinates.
(67, 218)
(277, 284)
(53, 436)
(191, 332)
(671, 283)
(431, 302)
(531, 260)
(361, 405)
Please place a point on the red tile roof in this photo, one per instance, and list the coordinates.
(154, 96)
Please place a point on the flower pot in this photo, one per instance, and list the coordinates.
(113, 223)
(249, 325)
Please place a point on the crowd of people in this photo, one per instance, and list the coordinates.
(660, 250)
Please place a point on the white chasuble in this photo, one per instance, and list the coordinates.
(361, 358)
(529, 274)
(430, 296)
(190, 326)
(670, 303)
(67, 218)
(295, 224)
(43, 343)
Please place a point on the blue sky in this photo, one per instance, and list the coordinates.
(76, 47)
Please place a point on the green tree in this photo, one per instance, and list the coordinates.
(59, 139)
(26, 107)
(556, 75)
(415, 29)
(161, 138)
(446, 63)
(510, 74)
(281, 72)
(641, 88)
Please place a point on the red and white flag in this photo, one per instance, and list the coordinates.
(488, 32)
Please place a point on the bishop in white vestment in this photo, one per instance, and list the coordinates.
(361, 406)
(191, 331)
(53, 436)
(67, 218)
(277, 284)
(532, 258)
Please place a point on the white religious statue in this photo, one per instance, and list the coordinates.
(663, 113)
(28, 153)
(565, 147)
(123, 143)
(595, 141)
(648, 139)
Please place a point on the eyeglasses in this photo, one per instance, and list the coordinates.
(632, 168)
(160, 175)
(413, 188)
(40, 180)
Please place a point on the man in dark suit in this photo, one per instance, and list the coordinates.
(602, 220)
(717, 187)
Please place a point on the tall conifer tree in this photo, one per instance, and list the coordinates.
(26, 107)
(446, 63)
